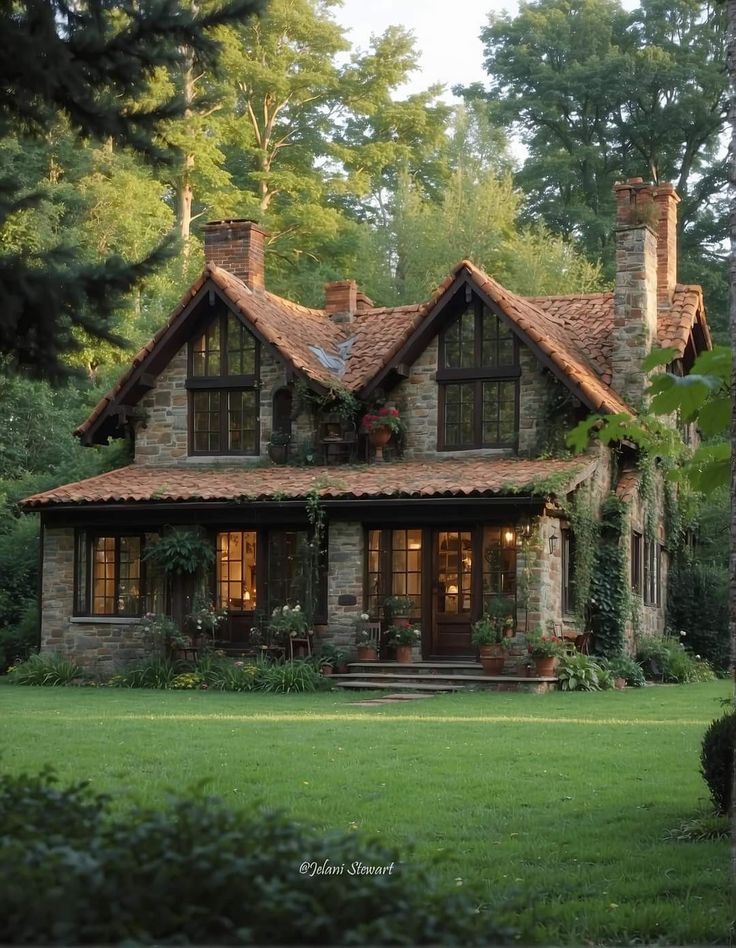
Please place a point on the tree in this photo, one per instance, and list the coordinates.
(599, 94)
(90, 63)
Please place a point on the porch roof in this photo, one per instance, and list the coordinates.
(425, 478)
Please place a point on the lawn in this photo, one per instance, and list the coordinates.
(556, 807)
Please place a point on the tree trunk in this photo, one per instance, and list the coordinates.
(185, 191)
(731, 67)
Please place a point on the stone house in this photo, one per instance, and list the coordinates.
(475, 501)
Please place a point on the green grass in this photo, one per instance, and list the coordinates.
(558, 806)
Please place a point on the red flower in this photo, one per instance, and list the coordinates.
(384, 411)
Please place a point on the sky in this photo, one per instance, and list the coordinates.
(447, 34)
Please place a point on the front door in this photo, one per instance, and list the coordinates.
(452, 593)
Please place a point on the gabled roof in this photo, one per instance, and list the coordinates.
(448, 478)
(570, 334)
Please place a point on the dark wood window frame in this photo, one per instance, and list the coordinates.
(83, 585)
(476, 376)
(652, 573)
(224, 384)
(263, 594)
(568, 571)
(386, 570)
(636, 562)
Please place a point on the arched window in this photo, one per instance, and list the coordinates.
(478, 376)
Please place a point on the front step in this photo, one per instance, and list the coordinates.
(440, 677)
(378, 685)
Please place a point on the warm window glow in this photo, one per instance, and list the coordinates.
(499, 564)
(236, 570)
(116, 576)
(454, 571)
(394, 569)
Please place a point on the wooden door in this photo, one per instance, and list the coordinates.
(452, 593)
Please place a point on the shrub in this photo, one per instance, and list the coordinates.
(578, 672)
(717, 760)
(697, 601)
(155, 672)
(18, 641)
(666, 659)
(624, 667)
(49, 669)
(290, 677)
(223, 674)
(74, 872)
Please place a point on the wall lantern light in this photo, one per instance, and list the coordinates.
(553, 544)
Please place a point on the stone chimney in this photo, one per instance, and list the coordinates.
(237, 246)
(635, 294)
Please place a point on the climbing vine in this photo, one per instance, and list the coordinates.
(586, 527)
(648, 494)
(610, 597)
(317, 520)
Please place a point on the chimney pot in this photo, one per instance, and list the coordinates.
(341, 300)
(237, 246)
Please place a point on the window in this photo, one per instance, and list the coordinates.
(478, 379)
(223, 377)
(499, 564)
(568, 572)
(651, 573)
(236, 571)
(636, 562)
(108, 575)
(394, 569)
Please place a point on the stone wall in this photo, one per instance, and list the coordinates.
(345, 578)
(99, 646)
(417, 398)
(162, 436)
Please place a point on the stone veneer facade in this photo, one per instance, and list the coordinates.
(99, 645)
(417, 398)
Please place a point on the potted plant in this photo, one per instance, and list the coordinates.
(287, 622)
(397, 609)
(161, 635)
(278, 447)
(403, 638)
(380, 427)
(330, 658)
(488, 633)
(204, 620)
(545, 650)
(364, 642)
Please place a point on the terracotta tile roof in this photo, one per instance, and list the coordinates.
(452, 477)
(573, 332)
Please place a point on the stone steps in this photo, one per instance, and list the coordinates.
(435, 676)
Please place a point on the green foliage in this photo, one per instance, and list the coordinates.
(717, 761)
(158, 671)
(586, 529)
(622, 666)
(225, 674)
(707, 826)
(181, 551)
(610, 602)
(50, 669)
(697, 603)
(17, 642)
(666, 659)
(290, 677)
(600, 92)
(578, 672)
(196, 872)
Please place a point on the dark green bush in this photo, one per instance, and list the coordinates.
(697, 602)
(19, 640)
(665, 659)
(717, 760)
(578, 672)
(624, 667)
(73, 872)
(50, 669)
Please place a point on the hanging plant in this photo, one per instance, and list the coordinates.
(181, 551)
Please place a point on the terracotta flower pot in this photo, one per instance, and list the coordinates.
(403, 654)
(326, 669)
(367, 653)
(544, 666)
(492, 659)
(379, 437)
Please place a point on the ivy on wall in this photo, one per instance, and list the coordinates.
(586, 528)
(610, 596)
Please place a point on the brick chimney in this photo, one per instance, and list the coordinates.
(343, 300)
(666, 200)
(635, 294)
(237, 246)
